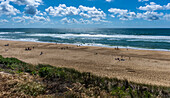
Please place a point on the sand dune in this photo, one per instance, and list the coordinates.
(141, 66)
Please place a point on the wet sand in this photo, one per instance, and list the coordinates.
(140, 66)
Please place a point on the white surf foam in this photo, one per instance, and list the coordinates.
(165, 41)
(18, 32)
(21, 39)
(11, 32)
(101, 36)
(4, 32)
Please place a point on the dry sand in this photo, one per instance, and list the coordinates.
(141, 66)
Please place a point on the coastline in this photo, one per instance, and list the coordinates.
(92, 45)
(143, 66)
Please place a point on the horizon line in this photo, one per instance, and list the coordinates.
(89, 28)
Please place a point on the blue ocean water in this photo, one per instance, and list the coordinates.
(131, 38)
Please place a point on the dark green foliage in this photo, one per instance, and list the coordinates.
(32, 88)
(9, 61)
(46, 72)
(15, 64)
(119, 92)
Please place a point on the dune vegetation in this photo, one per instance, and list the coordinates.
(19, 79)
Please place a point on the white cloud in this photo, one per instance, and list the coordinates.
(122, 14)
(92, 12)
(32, 10)
(18, 19)
(62, 10)
(127, 15)
(152, 3)
(65, 20)
(153, 6)
(149, 15)
(98, 20)
(7, 9)
(30, 19)
(35, 3)
(84, 8)
(167, 6)
(4, 21)
(84, 15)
(41, 18)
(74, 21)
(82, 21)
(118, 11)
(112, 16)
(83, 11)
(105, 21)
(167, 17)
(85, 21)
(108, 0)
(41, 13)
(31, 5)
(142, 0)
(96, 14)
(27, 17)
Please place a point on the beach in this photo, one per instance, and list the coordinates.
(140, 66)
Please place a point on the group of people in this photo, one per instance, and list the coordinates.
(6, 45)
(29, 49)
(26, 49)
(121, 59)
(6, 49)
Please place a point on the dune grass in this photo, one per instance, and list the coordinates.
(72, 83)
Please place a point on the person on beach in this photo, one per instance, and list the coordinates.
(41, 53)
(28, 49)
(117, 48)
(6, 45)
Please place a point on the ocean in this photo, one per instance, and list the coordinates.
(147, 39)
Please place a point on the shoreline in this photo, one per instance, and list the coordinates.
(140, 66)
(94, 45)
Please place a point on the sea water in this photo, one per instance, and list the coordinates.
(150, 39)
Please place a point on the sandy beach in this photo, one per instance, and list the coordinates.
(140, 66)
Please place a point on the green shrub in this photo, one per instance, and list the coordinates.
(32, 88)
(46, 72)
(15, 64)
(119, 92)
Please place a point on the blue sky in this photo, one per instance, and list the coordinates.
(84, 14)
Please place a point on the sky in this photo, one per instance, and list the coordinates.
(84, 13)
